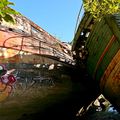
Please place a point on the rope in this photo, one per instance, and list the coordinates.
(78, 18)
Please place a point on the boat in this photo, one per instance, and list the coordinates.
(97, 45)
(24, 38)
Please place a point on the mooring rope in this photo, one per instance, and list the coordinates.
(78, 18)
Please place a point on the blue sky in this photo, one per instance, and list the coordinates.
(57, 17)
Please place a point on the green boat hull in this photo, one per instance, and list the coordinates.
(102, 41)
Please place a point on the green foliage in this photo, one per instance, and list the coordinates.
(100, 8)
(6, 12)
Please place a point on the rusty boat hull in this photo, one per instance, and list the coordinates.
(102, 41)
(25, 38)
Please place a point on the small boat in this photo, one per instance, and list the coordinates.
(97, 44)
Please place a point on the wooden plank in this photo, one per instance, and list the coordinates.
(110, 20)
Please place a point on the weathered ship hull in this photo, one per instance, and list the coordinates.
(26, 38)
(102, 41)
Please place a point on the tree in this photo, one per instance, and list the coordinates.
(6, 12)
(101, 8)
